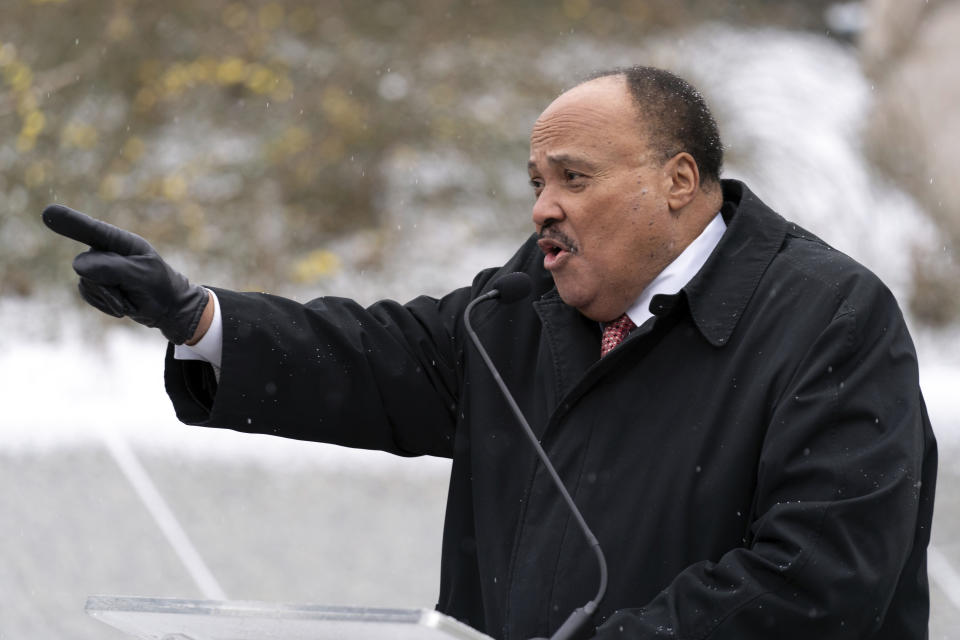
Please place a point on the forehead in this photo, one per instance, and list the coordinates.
(597, 117)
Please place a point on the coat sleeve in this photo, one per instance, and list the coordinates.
(842, 505)
(384, 377)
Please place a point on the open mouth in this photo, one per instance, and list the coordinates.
(555, 251)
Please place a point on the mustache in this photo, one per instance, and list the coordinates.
(556, 235)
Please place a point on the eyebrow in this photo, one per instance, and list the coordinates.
(564, 159)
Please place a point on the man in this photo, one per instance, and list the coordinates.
(754, 457)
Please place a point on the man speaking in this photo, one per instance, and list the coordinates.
(732, 404)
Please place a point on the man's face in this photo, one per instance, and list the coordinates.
(601, 210)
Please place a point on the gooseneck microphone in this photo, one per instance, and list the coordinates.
(512, 288)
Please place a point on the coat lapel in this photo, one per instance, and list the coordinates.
(569, 346)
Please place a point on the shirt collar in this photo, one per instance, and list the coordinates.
(679, 272)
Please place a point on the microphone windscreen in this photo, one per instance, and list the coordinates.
(513, 286)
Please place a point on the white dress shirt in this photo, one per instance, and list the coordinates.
(210, 346)
(679, 272)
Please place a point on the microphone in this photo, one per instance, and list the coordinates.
(510, 288)
(513, 287)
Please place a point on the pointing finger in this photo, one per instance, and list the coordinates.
(97, 234)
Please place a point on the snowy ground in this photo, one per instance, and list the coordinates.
(106, 493)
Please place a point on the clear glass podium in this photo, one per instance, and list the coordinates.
(177, 619)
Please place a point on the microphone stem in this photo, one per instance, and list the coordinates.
(591, 606)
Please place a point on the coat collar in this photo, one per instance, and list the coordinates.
(719, 293)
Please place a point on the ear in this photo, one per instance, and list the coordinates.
(684, 178)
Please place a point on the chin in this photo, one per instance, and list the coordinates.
(578, 299)
(589, 305)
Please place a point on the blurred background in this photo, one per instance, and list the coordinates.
(377, 149)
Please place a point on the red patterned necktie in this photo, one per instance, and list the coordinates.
(614, 333)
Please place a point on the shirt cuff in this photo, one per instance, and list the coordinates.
(210, 347)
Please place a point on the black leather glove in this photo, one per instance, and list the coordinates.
(123, 275)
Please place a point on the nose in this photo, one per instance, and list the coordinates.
(547, 209)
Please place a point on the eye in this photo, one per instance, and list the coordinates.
(537, 184)
(574, 179)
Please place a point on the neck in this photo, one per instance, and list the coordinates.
(697, 214)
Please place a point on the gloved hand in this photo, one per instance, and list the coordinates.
(123, 275)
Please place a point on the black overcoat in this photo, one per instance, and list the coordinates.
(755, 460)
